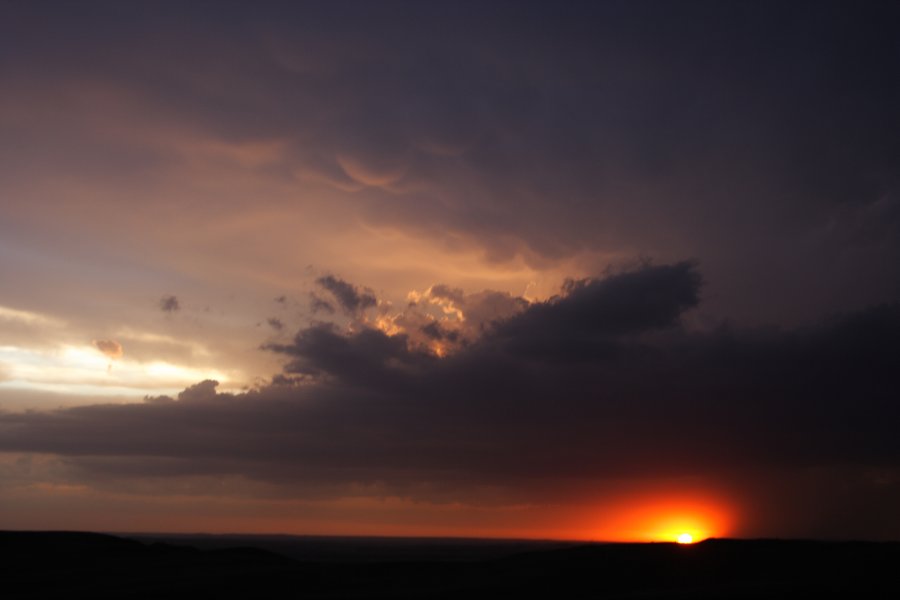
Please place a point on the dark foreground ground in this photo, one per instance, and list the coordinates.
(70, 565)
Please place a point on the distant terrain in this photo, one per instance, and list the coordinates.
(71, 564)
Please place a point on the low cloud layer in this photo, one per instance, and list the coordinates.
(598, 383)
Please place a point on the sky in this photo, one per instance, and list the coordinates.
(610, 270)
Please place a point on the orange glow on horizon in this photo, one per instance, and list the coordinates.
(682, 519)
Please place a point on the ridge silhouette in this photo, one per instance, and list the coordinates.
(72, 564)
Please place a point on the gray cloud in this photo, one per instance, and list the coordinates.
(169, 304)
(434, 331)
(596, 312)
(351, 298)
(597, 383)
(318, 304)
(442, 291)
(646, 128)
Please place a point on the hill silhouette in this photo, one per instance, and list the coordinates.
(69, 564)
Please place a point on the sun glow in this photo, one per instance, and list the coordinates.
(685, 528)
(664, 516)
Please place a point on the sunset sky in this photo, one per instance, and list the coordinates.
(616, 270)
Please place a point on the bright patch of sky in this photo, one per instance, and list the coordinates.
(83, 370)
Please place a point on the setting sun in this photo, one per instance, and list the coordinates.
(665, 514)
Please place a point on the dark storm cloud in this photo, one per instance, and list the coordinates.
(630, 392)
(367, 357)
(594, 312)
(434, 331)
(351, 298)
(318, 304)
(169, 304)
(275, 323)
(524, 128)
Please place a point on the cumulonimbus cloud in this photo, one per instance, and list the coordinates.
(598, 382)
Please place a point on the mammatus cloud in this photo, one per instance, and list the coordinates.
(169, 304)
(541, 139)
(597, 383)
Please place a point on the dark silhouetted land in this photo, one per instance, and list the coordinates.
(62, 564)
